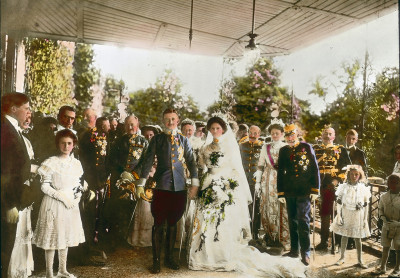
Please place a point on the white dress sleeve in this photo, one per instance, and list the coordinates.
(263, 156)
(340, 190)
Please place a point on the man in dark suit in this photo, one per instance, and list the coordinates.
(169, 199)
(357, 156)
(15, 169)
(298, 185)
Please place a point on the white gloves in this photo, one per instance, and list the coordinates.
(195, 182)
(313, 197)
(282, 200)
(142, 182)
(12, 215)
(139, 191)
(257, 175)
(68, 202)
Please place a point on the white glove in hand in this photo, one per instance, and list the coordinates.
(282, 200)
(68, 202)
(139, 191)
(313, 197)
(257, 175)
(257, 188)
(12, 215)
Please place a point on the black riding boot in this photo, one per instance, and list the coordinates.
(169, 250)
(156, 240)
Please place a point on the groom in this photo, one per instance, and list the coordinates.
(173, 151)
(298, 184)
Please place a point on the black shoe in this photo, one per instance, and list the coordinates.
(156, 268)
(156, 240)
(305, 260)
(291, 254)
(169, 248)
(322, 247)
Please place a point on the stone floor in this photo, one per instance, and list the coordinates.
(135, 262)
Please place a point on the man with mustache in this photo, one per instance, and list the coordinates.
(298, 185)
(331, 160)
(250, 152)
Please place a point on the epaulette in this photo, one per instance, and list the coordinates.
(244, 139)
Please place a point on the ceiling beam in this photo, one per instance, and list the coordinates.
(323, 12)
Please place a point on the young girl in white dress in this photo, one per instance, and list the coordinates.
(352, 211)
(59, 225)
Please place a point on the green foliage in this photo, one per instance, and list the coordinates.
(319, 90)
(371, 109)
(113, 93)
(149, 104)
(48, 74)
(252, 98)
(85, 76)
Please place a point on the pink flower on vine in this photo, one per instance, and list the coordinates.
(256, 108)
(256, 85)
(257, 73)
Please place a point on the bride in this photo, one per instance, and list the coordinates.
(221, 226)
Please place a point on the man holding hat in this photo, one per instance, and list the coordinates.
(298, 185)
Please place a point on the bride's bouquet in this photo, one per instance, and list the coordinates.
(212, 204)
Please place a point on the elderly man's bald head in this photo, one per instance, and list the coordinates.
(89, 116)
(131, 124)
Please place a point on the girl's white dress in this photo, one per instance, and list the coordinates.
(352, 224)
(58, 227)
(221, 227)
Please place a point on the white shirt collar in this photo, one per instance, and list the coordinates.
(14, 123)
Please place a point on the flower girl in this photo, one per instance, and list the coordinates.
(352, 211)
(59, 225)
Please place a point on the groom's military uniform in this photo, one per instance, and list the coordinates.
(172, 150)
(250, 152)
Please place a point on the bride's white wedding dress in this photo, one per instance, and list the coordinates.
(221, 226)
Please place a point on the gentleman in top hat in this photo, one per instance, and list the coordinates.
(169, 198)
(15, 169)
(298, 185)
(250, 151)
(332, 160)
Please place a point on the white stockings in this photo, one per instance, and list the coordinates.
(62, 264)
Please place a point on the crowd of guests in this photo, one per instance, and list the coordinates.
(91, 185)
